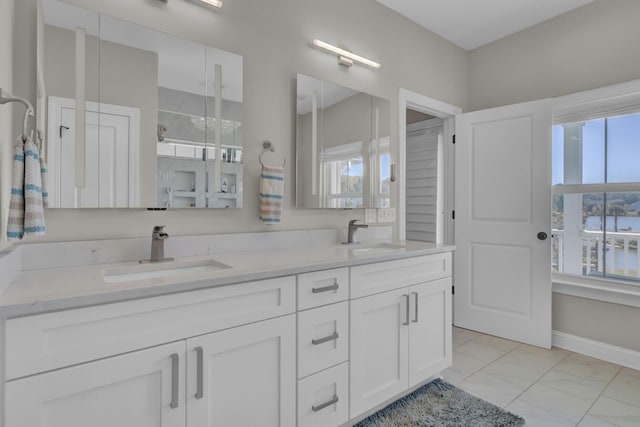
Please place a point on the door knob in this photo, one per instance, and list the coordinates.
(542, 235)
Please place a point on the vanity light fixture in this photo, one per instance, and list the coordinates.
(345, 58)
(214, 3)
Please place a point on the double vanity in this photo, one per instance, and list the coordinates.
(320, 335)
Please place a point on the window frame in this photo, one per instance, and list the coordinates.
(609, 101)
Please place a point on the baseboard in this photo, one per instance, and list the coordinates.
(610, 353)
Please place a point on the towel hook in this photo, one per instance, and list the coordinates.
(6, 97)
(268, 146)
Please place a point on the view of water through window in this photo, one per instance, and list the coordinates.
(596, 233)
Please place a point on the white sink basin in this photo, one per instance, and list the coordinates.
(165, 269)
(378, 248)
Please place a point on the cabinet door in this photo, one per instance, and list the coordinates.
(430, 330)
(379, 346)
(244, 376)
(135, 389)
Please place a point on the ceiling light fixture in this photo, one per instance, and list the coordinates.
(345, 58)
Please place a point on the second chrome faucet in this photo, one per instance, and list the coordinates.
(352, 232)
(158, 236)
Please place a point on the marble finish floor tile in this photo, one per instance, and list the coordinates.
(461, 336)
(463, 366)
(479, 350)
(625, 387)
(558, 403)
(588, 367)
(586, 388)
(616, 412)
(492, 389)
(589, 421)
(536, 417)
(497, 343)
(514, 373)
(535, 358)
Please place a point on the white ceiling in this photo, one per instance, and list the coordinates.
(473, 23)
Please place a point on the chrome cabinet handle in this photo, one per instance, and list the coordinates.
(406, 322)
(333, 287)
(332, 337)
(325, 404)
(199, 373)
(415, 319)
(175, 379)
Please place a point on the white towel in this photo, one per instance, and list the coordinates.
(26, 212)
(271, 194)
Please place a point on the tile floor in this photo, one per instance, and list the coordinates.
(547, 387)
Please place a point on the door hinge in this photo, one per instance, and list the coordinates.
(453, 214)
(454, 139)
(453, 290)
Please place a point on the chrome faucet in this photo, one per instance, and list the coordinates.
(353, 229)
(158, 236)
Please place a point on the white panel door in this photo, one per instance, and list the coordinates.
(379, 344)
(135, 389)
(430, 330)
(503, 201)
(112, 139)
(244, 376)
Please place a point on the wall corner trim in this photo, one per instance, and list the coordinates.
(610, 353)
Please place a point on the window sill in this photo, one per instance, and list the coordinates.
(597, 289)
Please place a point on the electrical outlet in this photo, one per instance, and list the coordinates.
(370, 216)
(387, 215)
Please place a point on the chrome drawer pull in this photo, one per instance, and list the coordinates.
(199, 373)
(415, 320)
(331, 337)
(333, 287)
(325, 404)
(175, 379)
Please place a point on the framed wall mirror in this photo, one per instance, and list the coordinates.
(161, 118)
(343, 147)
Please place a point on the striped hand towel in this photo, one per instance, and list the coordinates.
(26, 212)
(271, 193)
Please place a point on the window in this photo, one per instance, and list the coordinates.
(342, 169)
(596, 198)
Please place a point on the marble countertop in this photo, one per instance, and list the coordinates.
(39, 291)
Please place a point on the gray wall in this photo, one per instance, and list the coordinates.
(274, 39)
(593, 46)
(6, 126)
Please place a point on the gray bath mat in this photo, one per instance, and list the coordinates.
(439, 404)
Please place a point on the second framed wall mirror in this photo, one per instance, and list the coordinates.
(343, 147)
(161, 118)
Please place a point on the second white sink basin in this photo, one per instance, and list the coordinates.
(377, 248)
(165, 269)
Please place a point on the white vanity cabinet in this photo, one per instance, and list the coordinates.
(316, 349)
(144, 389)
(243, 376)
(109, 365)
(323, 348)
(400, 337)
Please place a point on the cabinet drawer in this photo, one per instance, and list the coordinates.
(383, 276)
(53, 340)
(323, 338)
(323, 398)
(322, 287)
